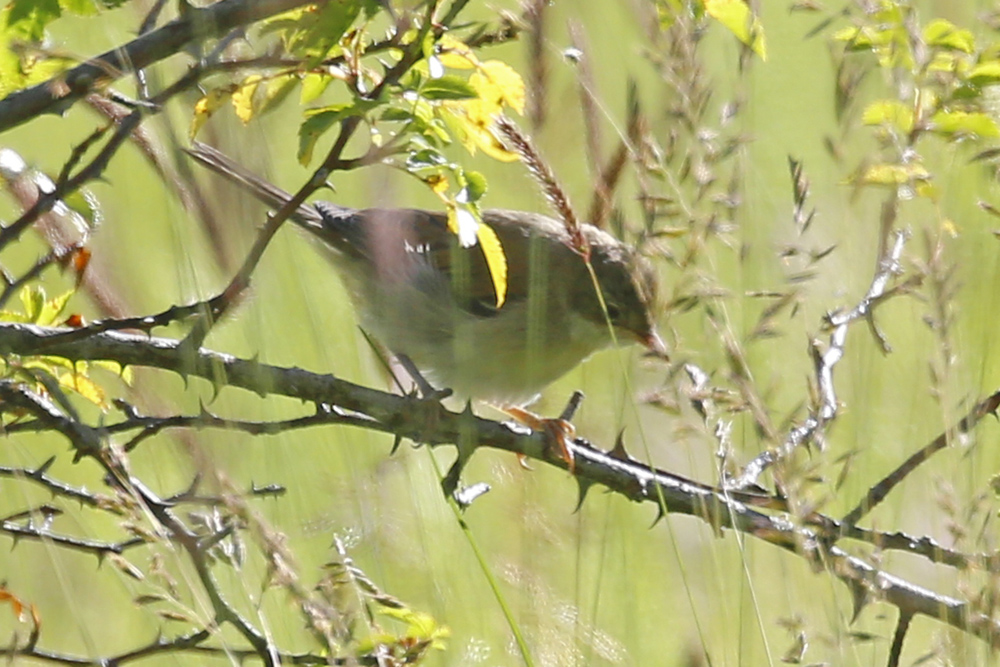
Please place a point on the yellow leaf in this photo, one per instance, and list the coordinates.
(965, 123)
(985, 73)
(946, 61)
(943, 33)
(52, 309)
(455, 54)
(927, 190)
(472, 129)
(889, 112)
(85, 387)
(496, 260)
(438, 183)
(894, 174)
(243, 97)
(206, 106)
(124, 372)
(736, 16)
(498, 83)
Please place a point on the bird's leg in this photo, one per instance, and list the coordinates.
(558, 432)
(427, 390)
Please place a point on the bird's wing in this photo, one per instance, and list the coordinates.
(387, 237)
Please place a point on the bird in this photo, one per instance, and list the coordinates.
(432, 303)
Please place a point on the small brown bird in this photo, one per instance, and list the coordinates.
(432, 301)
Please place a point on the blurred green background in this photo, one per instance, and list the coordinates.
(600, 586)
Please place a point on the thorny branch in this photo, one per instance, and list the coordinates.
(430, 423)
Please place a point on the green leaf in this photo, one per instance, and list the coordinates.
(951, 62)
(420, 115)
(427, 158)
(11, 316)
(313, 85)
(23, 21)
(475, 185)
(317, 123)
(28, 18)
(85, 204)
(276, 90)
(324, 27)
(965, 123)
(448, 87)
(945, 34)
(32, 300)
(80, 7)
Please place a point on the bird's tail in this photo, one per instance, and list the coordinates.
(273, 196)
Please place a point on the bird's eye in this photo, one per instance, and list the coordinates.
(614, 311)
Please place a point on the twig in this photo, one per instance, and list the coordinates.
(879, 491)
(824, 362)
(196, 24)
(219, 305)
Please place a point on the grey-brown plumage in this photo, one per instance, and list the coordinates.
(423, 295)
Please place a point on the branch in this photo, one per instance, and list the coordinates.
(196, 25)
(878, 493)
(430, 423)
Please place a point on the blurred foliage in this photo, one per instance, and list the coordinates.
(688, 136)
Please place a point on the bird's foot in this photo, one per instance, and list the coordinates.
(559, 432)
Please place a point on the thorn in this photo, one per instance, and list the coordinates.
(859, 598)
(583, 486)
(397, 440)
(42, 469)
(660, 515)
(618, 451)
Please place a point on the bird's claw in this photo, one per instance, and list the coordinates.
(559, 433)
